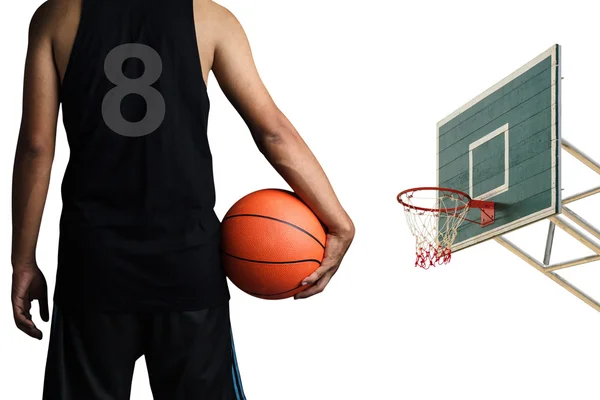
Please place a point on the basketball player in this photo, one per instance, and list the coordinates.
(138, 259)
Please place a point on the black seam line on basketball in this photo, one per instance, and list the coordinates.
(274, 294)
(272, 262)
(278, 220)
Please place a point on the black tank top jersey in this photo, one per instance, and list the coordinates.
(137, 230)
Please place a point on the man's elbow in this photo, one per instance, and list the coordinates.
(278, 133)
(35, 148)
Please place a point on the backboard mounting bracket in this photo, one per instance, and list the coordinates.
(487, 211)
(572, 228)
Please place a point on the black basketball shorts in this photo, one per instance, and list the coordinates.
(189, 355)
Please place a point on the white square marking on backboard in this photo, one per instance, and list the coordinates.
(504, 187)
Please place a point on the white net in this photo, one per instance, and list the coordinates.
(434, 215)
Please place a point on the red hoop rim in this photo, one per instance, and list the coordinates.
(442, 210)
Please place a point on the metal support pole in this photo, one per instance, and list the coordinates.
(549, 241)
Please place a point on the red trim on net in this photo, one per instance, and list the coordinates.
(432, 256)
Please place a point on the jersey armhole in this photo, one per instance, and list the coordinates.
(74, 50)
(192, 22)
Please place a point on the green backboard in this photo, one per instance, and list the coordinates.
(504, 147)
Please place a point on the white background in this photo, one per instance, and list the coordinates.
(365, 84)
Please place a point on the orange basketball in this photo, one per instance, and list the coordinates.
(271, 241)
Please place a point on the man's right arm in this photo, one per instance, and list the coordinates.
(33, 163)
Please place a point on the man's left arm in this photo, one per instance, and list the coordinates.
(281, 145)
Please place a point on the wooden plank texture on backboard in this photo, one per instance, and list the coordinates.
(503, 147)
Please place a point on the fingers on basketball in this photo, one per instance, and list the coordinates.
(318, 287)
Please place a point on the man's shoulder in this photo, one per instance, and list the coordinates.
(53, 16)
(213, 14)
(208, 6)
(41, 21)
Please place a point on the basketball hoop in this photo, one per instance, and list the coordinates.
(433, 215)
